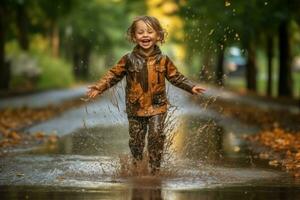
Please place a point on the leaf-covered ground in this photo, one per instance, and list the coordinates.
(283, 148)
(280, 135)
(13, 120)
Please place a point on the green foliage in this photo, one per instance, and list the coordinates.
(56, 73)
(98, 25)
(72, 29)
(211, 23)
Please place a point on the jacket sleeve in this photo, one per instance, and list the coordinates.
(113, 76)
(176, 78)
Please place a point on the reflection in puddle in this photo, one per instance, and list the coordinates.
(232, 193)
(199, 140)
(206, 142)
(193, 140)
(199, 151)
(203, 155)
(104, 141)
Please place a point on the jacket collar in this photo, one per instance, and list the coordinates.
(155, 53)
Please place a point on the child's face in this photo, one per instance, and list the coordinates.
(145, 36)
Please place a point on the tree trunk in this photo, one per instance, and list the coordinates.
(206, 70)
(4, 67)
(81, 60)
(55, 40)
(251, 68)
(22, 24)
(108, 59)
(86, 61)
(76, 63)
(270, 55)
(220, 70)
(285, 78)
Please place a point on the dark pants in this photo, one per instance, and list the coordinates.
(137, 130)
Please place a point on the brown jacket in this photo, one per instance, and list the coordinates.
(145, 78)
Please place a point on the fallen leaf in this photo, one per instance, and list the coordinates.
(274, 163)
(19, 174)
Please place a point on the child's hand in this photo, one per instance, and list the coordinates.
(198, 90)
(92, 92)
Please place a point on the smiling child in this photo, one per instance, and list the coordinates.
(145, 69)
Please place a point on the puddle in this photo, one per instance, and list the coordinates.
(97, 141)
(207, 160)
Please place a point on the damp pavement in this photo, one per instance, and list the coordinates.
(44, 98)
(208, 158)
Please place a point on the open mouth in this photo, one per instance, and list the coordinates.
(146, 41)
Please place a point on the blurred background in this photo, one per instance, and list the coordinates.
(242, 45)
(232, 141)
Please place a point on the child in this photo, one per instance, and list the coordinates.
(145, 69)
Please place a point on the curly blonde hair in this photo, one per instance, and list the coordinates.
(149, 20)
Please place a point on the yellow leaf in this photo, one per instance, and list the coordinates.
(274, 163)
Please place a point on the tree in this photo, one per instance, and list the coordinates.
(49, 17)
(285, 14)
(4, 68)
(94, 26)
(255, 22)
(208, 32)
(5, 8)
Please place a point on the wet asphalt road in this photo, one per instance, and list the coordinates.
(209, 159)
